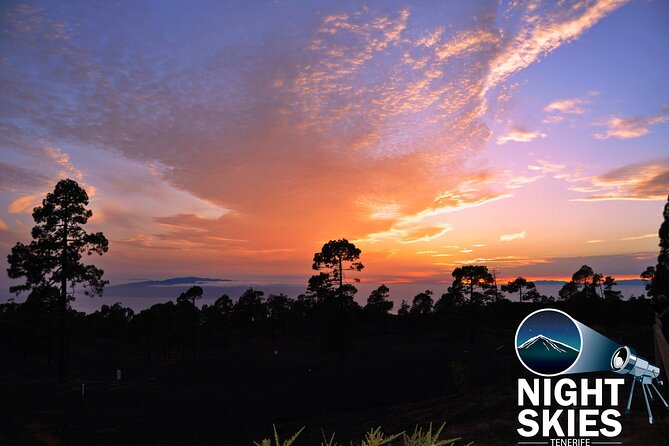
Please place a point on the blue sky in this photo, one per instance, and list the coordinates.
(552, 324)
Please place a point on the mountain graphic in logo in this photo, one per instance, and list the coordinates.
(547, 355)
(557, 346)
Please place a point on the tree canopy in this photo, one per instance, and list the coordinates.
(337, 257)
(378, 302)
(526, 290)
(659, 285)
(472, 278)
(52, 259)
(422, 303)
(584, 275)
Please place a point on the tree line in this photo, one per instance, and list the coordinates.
(52, 268)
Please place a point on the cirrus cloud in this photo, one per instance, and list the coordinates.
(637, 181)
(632, 127)
(511, 237)
(520, 135)
(572, 106)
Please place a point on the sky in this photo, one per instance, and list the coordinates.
(233, 139)
(551, 324)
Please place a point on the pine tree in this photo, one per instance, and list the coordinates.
(52, 261)
(660, 283)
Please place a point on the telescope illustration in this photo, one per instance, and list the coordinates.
(626, 362)
(567, 346)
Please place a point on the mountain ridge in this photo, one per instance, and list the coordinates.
(186, 280)
(545, 355)
(551, 342)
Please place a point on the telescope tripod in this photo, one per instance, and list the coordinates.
(646, 386)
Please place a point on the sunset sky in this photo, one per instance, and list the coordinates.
(232, 139)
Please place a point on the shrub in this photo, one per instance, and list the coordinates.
(375, 437)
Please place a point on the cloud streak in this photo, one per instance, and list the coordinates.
(511, 237)
(14, 178)
(520, 135)
(633, 127)
(571, 106)
(542, 32)
(640, 237)
(567, 109)
(637, 181)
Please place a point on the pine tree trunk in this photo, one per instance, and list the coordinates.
(50, 351)
(341, 281)
(194, 330)
(169, 331)
(62, 308)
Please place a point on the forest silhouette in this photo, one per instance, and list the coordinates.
(256, 359)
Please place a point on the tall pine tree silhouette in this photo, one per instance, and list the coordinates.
(52, 260)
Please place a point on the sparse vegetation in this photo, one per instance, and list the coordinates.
(376, 437)
(277, 442)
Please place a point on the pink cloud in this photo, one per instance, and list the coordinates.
(634, 127)
(544, 31)
(637, 181)
(520, 135)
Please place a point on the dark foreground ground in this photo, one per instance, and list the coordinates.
(232, 397)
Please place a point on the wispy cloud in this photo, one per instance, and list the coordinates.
(505, 261)
(570, 106)
(561, 268)
(511, 237)
(572, 172)
(467, 41)
(62, 160)
(14, 178)
(25, 204)
(640, 237)
(562, 110)
(553, 119)
(406, 234)
(638, 181)
(633, 127)
(469, 194)
(45, 165)
(547, 167)
(520, 135)
(544, 31)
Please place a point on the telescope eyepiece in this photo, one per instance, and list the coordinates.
(625, 360)
(620, 358)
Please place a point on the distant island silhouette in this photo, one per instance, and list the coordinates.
(190, 280)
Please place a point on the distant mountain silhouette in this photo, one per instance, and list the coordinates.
(176, 281)
(167, 289)
(546, 355)
(621, 282)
